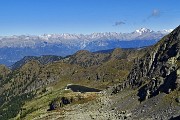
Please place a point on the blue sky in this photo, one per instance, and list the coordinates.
(86, 16)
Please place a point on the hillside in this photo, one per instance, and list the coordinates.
(155, 76)
(36, 76)
(133, 84)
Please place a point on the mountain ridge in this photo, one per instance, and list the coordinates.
(32, 40)
(14, 48)
(157, 67)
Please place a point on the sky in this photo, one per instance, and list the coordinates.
(37, 17)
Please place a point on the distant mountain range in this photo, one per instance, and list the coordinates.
(14, 48)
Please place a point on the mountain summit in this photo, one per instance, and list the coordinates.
(143, 31)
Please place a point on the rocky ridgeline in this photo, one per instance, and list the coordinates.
(158, 70)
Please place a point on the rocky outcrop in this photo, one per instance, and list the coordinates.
(158, 70)
(59, 102)
(71, 98)
(160, 67)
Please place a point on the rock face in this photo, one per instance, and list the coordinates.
(158, 70)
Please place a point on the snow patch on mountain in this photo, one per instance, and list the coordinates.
(79, 39)
(143, 31)
(166, 31)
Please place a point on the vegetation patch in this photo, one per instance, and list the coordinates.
(71, 98)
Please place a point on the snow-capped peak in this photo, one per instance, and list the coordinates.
(143, 30)
(80, 39)
(165, 31)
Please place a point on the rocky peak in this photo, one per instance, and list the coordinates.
(158, 67)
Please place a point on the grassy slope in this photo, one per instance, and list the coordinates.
(110, 72)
